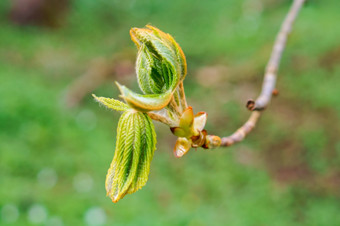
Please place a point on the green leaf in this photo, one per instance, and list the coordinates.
(160, 67)
(112, 103)
(145, 103)
(148, 72)
(135, 146)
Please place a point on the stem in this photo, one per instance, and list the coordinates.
(173, 107)
(270, 76)
(161, 118)
(177, 98)
(183, 101)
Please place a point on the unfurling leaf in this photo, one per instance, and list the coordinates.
(135, 146)
(112, 103)
(160, 67)
(144, 103)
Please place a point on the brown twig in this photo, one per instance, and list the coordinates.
(269, 81)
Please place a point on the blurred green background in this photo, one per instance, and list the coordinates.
(56, 143)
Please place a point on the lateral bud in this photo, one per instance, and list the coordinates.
(212, 141)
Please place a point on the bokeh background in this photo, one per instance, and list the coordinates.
(56, 143)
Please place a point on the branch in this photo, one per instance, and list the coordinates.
(268, 85)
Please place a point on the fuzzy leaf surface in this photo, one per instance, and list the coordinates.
(112, 103)
(135, 146)
(160, 66)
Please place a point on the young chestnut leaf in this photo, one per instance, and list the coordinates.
(160, 67)
(145, 103)
(112, 103)
(135, 146)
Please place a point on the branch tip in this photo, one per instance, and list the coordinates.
(269, 81)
